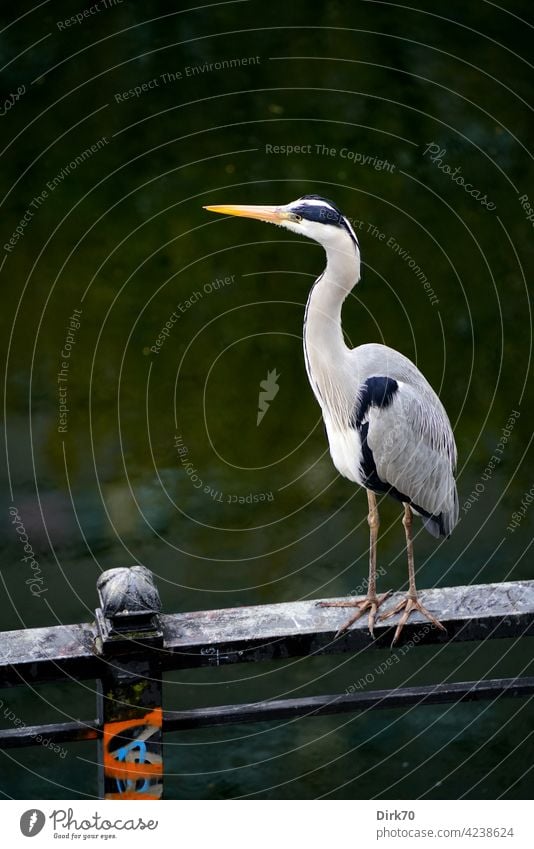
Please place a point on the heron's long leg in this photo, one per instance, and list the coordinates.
(371, 602)
(411, 602)
(407, 522)
(374, 523)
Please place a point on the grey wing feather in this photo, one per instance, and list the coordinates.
(414, 451)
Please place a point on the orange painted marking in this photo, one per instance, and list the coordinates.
(133, 771)
(131, 794)
(123, 770)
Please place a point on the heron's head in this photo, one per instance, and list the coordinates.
(312, 216)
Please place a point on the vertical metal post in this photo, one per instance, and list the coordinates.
(130, 691)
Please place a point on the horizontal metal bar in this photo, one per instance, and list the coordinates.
(37, 655)
(276, 709)
(59, 732)
(348, 703)
(271, 632)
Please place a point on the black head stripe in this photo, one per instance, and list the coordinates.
(326, 201)
(325, 212)
(322, 214)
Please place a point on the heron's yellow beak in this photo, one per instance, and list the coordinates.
(263, 213)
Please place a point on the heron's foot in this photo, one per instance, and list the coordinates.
(408, 605)
(370, 603)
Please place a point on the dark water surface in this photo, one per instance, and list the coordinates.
(159, 458)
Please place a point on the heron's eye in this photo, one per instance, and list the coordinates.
(294, 217)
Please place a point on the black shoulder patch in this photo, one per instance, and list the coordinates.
(377, 392)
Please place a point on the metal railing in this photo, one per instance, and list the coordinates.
(131, 644)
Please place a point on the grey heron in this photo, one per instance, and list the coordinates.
(387, 429)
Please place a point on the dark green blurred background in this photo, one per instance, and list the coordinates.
(123, 238)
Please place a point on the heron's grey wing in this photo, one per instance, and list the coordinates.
(414, 451)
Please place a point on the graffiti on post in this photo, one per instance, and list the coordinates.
(133, 766)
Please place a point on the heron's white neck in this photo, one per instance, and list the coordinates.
(328, 362)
